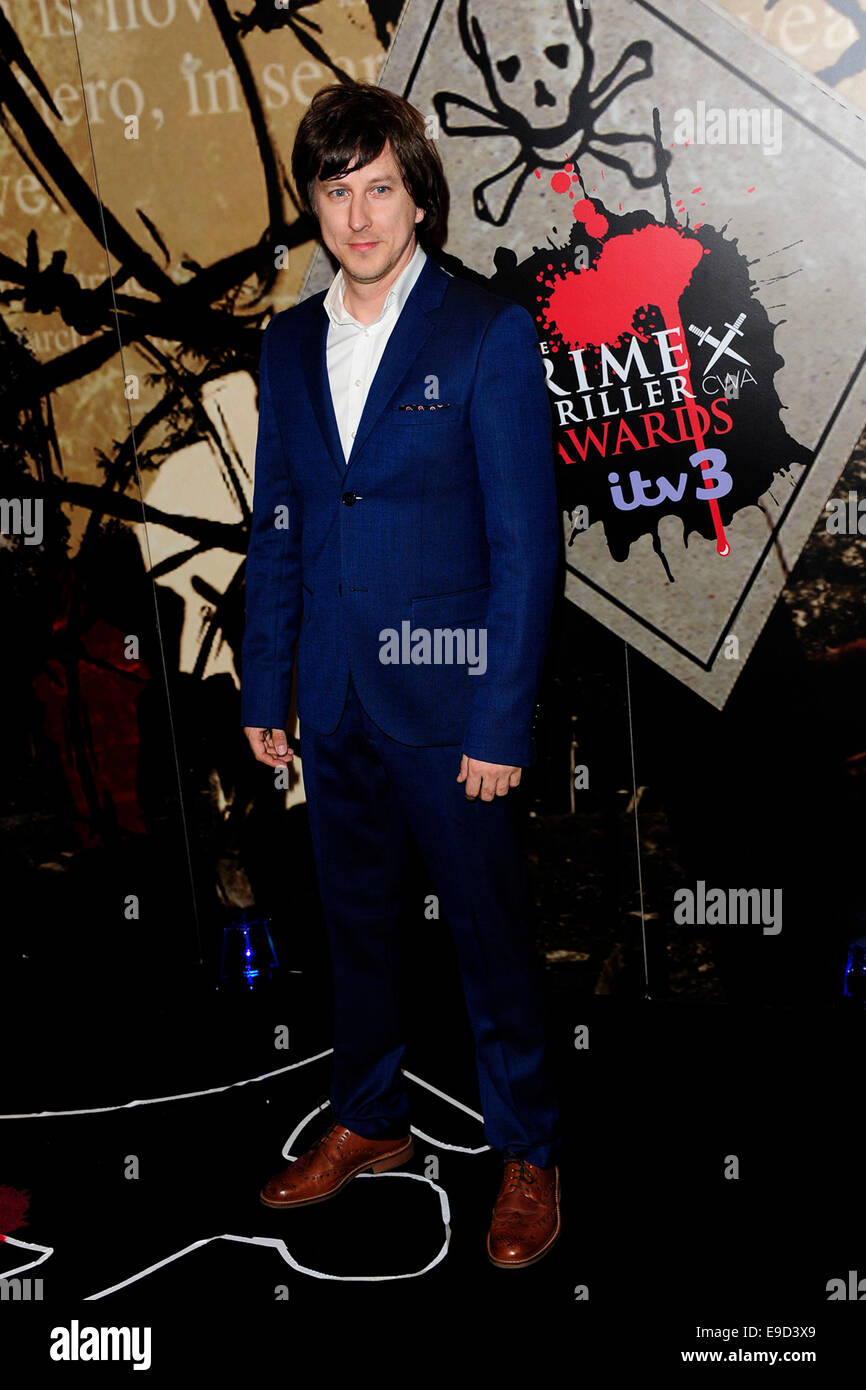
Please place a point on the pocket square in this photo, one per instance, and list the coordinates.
(427, 405)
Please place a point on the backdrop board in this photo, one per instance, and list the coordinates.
(655, 188)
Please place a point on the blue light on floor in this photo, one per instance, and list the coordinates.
(854, 978)
(248, 955)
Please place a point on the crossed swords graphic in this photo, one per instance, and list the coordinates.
(722, 345)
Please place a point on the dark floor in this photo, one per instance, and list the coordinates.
(666, 1091)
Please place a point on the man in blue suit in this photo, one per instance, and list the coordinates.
(405, 539)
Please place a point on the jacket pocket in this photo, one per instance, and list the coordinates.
(446, 610)
(423, 419)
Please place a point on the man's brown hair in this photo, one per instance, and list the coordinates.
(346, 126)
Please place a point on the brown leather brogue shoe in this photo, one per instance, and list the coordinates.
(526, 1217)
(332, 1161)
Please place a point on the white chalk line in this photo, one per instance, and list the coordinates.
(413, 1129)
(271, 1241)
(274, 1243)
(161, 1100)
(25, 1245)
(280, 1246)
(428, 1086)
(216, 1090)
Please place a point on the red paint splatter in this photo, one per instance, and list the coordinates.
(13, 1206)
(650, 266)
(752, 189)
(595, 222)
(560, 183)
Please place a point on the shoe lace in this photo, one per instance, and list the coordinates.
(517, 1176)
(306, 1157)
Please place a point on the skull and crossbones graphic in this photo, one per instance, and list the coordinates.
(543, 98)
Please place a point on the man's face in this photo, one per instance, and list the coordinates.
(367, 218)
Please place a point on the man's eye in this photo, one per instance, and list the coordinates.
(382, 185)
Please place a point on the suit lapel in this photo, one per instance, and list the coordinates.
(408, 336)
(315, 363)
(406, 340)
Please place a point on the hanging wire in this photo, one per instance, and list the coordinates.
(634, 802)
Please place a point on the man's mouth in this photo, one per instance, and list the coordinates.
(362, 245)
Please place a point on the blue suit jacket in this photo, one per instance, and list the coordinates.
(443, 519)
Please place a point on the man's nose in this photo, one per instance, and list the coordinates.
(359, 215)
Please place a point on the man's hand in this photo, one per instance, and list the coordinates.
(270, 746)
(490, 779)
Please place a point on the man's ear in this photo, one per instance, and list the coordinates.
(419, 213)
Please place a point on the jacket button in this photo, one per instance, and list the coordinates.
(349, 499)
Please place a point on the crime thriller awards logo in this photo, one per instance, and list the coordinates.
(660, 364)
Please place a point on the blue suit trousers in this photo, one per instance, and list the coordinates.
(366, 794)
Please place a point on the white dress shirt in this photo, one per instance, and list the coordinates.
(355, 349)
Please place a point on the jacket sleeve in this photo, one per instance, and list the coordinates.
(512, 433)
(274, 599)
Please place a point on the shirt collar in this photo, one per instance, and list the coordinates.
(394, 299)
